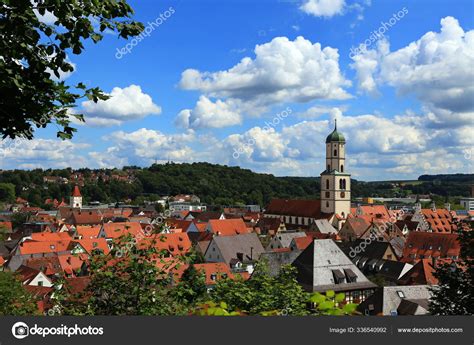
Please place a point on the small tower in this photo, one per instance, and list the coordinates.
(335, 182)
(76, 198)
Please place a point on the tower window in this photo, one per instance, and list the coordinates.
(342, 168)
(341, 184)
(335, 152)
(328, 194)
(327, 203)
(327, 184)
(329, 167)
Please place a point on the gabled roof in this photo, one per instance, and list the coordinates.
(372, 250)
(358, 225)
(48, 265)
(421, 273)
(296, 207)
(116, 230)
(228, 227)
(174, 244)
(275, 260)
(33, 247)
(88, 231)
(324, 227)
(322, 262)
(213, 271)
(72, 263)
(91, 245)
(247, 244)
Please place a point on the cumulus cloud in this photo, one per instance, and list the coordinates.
(282, 71)
(323, 8)
(144, 146)
(437, 69)
(209, 114)
(40, 153)
(129, 103)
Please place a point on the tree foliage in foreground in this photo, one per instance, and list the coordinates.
(34, 59)
(14, 299)
(454, 294)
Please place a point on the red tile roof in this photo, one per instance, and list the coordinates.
(302, 242)
(438, 245)
(300, 208)
(72, 263)
(90, 245)
(34, 247)
(116, 230)
(76, 192)
(7, 225)
(375, 211)
(228, 227)
(439, 220)
(48, 265)
(88, 231)
(173, 244)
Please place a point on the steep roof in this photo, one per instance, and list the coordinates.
(430, 244)
(439, 220)
(228, 227)
(76, 192)
(318, 264)
(247, 244)
(275, 260)
(116, 230)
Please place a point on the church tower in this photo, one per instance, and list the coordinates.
(335, 182)
(76, 198)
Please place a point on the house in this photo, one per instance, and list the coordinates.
(236, 251)
(90, 246)
(397, 300)
(227, 227)
(369, 249)
(422, 273)
(275, 260)
(354, 228)
(379, 212)
(323, 266)
(204, 217)
(435, 220)
(270, 226)
(407, 226)
(426, 245)
(323, 226)
(283, 239)
(169, 245)
(113, 231)
(33, 277)
(295, 212)
(390, 271)
(73, 265)
(48, 265)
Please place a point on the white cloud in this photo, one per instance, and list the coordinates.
(282, 71)
(323, 8)
(437, 69)
(129, 103)
(209, 114)
(40, 153)
(144, 146)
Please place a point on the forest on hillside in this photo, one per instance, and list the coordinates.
(214, 184)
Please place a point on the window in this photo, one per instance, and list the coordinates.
(343, 195)
(327, 184)
(400, 294)
(327, 203)
(40, 283)
(328, 194)
(213, 276)
(342, 168)
(329, 167)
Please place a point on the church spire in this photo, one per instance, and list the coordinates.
(335, 124)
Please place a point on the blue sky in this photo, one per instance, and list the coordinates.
(197, 89)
